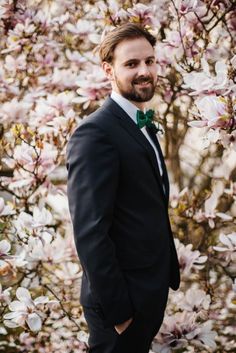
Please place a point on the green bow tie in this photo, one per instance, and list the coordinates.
(145, 119)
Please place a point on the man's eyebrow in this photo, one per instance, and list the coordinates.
(137, 60)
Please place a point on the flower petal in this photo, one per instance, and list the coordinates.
(5, 247)
(11, 315)
(41, 300)
(34, 322)
(11, 324)
(24, 296)
(16, 305)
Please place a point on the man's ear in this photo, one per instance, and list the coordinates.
(109, 71)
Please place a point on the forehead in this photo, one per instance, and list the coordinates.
(137, 48)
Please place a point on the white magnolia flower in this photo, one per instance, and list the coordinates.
(25, 310)
(40, 218)
(17, 260)
(5, 247)
(37, 224)
(210, 213)
(181, 329)
(5, 210)
(195, 300)
(68, 272)
(202, 335)
(43, 249)
(82, 27)
(229, 241)
(189, 259)
(5, 295)
(227, 252)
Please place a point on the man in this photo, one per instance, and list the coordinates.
(118, 193)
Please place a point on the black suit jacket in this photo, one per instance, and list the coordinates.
(119, 211)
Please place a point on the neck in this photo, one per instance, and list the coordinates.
(139, 105)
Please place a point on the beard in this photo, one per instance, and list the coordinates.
(135, 93)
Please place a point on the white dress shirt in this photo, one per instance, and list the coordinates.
(131, 110)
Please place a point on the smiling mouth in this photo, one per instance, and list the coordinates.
(142, 83)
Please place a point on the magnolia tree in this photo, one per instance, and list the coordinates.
(50, 79)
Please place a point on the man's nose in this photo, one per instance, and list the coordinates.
(143, 69)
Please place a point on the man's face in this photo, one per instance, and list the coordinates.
(133, 72)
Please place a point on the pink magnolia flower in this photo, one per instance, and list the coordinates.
(185, 6)
(143, 14)
(13, 64)
(22, 29)
(61, 102)
(111, 14)
(20, 35)
(203, 336)
(59, 124)
(195, 300)
(47, 60)
(204, 82)
(35, 159)
(75, 56)
(181, 329)
(60, 78)
(46, 110)
(25, 310)
(189, 259)
(6, 9)
(171, 48)
(42, 114)
(14, 111)
(213, 113)
(92, 87)
(21, 181)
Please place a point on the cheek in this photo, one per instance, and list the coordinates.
(123, 74)
(154, 72)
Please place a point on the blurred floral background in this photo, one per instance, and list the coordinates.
(50, 79)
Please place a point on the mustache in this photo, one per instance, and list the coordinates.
(142, 80)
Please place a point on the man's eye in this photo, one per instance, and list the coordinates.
(131, 65)
(150, 62)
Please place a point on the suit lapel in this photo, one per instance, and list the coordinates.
(165, 174)
(134, 131)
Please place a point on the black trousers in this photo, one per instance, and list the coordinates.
(137, 338)
(149, 296)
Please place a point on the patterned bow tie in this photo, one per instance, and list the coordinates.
(145, 119)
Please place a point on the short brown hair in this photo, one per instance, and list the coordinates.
(117, 35)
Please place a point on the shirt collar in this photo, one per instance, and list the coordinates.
(126, 105)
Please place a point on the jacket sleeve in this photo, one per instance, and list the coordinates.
(93, 171)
